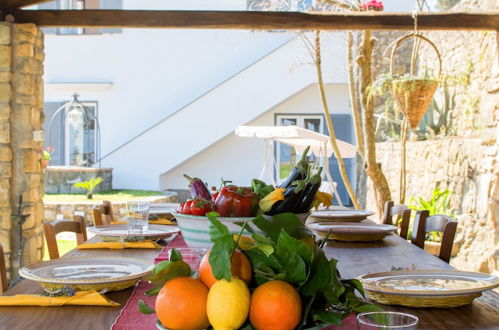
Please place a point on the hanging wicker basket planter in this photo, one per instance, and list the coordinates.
(413, 95)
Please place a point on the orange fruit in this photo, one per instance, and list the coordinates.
(240, 267)
(181, 304)
(275, 305)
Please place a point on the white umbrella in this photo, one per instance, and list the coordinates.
(299, 138)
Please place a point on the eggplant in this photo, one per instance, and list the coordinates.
(299, 171)
(292, 196)
(311, 188)
(198, 188)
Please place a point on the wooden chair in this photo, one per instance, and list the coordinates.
(403, 214)
(423, 224)
(51, 229)
(3, 271)
(103, 214)
(108, 210)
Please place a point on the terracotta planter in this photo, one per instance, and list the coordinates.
(44, 163)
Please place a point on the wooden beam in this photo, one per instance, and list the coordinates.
(253, 20)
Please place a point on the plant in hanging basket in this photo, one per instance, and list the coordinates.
(414, 93)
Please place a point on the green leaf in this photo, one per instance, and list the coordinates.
(267, 249)
(166, 270)
(293, 266)
(260, 259)
(217, 229)
(356, 284)
(220, 257)
(368, 308)
(175, 255)
(262, 239)
(327, 317)
(153, 292)
(287, 221)
(144, 309)
(319, 276)
(286, 242)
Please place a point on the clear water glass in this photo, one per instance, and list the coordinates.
(386, 321)
(138, 217)
(192, 256)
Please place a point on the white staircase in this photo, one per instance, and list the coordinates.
(211, 117)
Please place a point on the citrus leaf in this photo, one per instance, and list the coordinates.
(217, 229)
(220, 257)
(144, 309)
(153, 292)
(175, 255)
(166, 270)
(368, 308)
(327, 317)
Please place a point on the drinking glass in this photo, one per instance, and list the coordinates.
(386, 321)
(192, 256)
(138, 217)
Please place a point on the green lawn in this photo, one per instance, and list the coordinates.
(64, 246)
(113, 196)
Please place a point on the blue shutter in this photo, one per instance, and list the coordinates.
(112, 4)
(343, 128)
(52, 5)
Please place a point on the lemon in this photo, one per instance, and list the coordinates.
(228, 304)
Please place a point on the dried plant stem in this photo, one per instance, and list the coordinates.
(332, 135)
(380, 184)
(354, 96)
(403, 174)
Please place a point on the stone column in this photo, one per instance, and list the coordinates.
(21, 142)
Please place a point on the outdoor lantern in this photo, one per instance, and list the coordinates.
(81, 133)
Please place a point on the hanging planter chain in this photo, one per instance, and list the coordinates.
(413, 96)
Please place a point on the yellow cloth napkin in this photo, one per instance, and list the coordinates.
(91, 297)
(120, 245)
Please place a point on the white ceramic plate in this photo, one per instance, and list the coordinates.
(429, 282)
(352, 231)
(121, 230)
(341, 215)
(87, 270)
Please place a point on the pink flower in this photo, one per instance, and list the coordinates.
(373, 5)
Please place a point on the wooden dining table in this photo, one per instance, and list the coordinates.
(355, 259)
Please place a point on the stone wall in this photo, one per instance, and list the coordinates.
(61, 179)
(468, 163)
(66, 210)
(21, 140)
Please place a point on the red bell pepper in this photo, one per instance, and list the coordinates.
(234, 201)
(200, 207)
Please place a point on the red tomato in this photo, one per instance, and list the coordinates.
(186, 207)
(201, 207)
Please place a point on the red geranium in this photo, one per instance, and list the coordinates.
(373, 5)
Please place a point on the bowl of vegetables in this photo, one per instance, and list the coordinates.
(297, 194)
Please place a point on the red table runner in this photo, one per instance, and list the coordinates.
(131, 318)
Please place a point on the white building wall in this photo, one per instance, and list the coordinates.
(241, 159)
(140, 76)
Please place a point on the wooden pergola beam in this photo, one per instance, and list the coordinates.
(253, 20)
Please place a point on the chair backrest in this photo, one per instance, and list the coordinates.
(423, 224)
(51, 229)
(403, 213)
(3, 271)
(108, 210)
